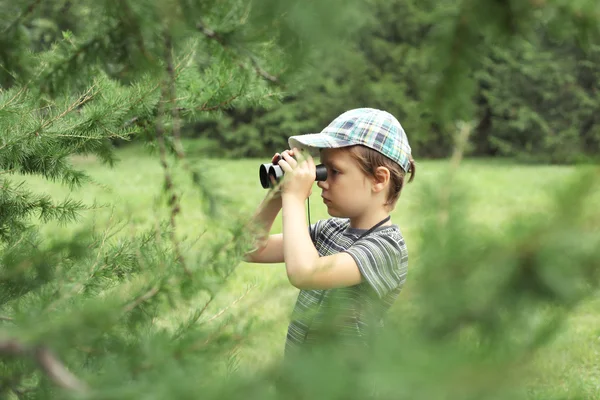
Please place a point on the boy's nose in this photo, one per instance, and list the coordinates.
(322, 184)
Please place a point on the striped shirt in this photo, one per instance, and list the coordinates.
(350, 314)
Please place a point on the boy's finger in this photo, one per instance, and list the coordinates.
(290, 160)
(307, 159)
(285, 166)
(311, 162)
(300, 156)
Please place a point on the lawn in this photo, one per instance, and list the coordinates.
(499, 192)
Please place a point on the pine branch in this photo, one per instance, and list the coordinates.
(261, 71)
(45, 78)
(12, 99)
(204, 106)
(23, 203)
(224, 310)
(47, 362)
(94, 269)
(136, 119)
(459, 149)
(57, 371)
(218, 106)
(211, 34)
(83, 99)
(160, 136)
(221, 86)
(143, 298)
(22, 16)
(112, 135)
(133, 22)
(20, 393)
(192, 320)
(200, 344)
(172, 99)
(78, 103)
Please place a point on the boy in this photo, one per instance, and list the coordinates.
(351, 267)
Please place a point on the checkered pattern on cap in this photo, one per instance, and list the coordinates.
(376, 129)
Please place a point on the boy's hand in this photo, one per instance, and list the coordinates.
(275, 191)
(299, 174)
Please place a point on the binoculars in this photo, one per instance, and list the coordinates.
(269, 170)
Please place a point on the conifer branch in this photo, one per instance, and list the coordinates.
(9, 102)
(22, 16)
(216, 107)
(133, 22)
(45, 78)
(204, 107)
(173, 100)
(459, 149)
(211, 34)
(57, 371)
(160, 136)
(47, 362)
(29, 203)
(261, 71)
(224, 310)
(87, 96)
(20, 393)
(193, 320)
(177, 69)
(94, 269)
(145, 297)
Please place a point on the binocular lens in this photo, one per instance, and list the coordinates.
(266, 171)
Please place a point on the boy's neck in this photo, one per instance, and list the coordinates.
(369, 221)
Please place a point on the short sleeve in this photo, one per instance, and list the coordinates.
(382, 261)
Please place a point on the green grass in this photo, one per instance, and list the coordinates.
(500, 191)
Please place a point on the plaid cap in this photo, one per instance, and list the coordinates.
(376, 129)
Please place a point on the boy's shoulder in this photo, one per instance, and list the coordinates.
(333, 221)
(332, 224)
(336, 221)
(329, 228)
(335, 225)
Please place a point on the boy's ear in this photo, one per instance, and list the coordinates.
(382, 178)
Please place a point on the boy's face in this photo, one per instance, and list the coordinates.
(347, 190)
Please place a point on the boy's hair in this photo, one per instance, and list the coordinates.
(369, 160)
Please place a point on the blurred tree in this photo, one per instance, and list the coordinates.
(74, 77)
(525, 72)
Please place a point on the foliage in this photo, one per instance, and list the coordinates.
(88, 315)
(526, 73)
(75, 77)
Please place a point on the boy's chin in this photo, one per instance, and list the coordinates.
(335, 213)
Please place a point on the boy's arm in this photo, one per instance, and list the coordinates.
(305, 268)
(269, 248)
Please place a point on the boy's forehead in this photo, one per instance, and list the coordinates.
(333, 155)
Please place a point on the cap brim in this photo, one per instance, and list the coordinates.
(313, 142)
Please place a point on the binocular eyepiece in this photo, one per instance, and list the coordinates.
(269, 170)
